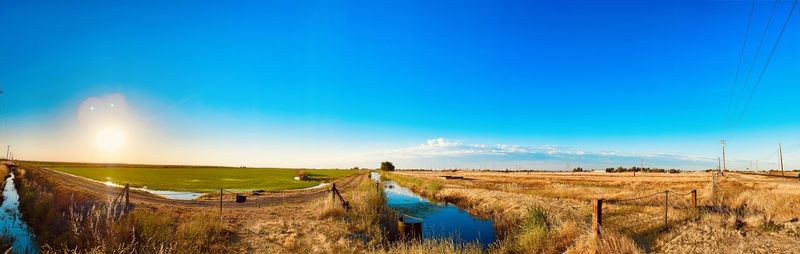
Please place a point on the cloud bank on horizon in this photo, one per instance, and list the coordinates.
(444, 153)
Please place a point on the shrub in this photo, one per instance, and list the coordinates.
(387, 166)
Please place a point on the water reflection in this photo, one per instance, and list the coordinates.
(13, 228)
(440, 219)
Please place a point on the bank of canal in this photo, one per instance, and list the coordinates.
(440, 219)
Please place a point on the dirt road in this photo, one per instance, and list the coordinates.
(140, 197)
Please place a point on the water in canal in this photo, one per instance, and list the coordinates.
(12, 227)
(440, 220)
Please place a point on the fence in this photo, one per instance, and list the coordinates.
(597, 211)
(126, 194)
(239, 199)
(335, 193)
(787, 175)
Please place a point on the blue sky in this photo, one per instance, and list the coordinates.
(334, 84)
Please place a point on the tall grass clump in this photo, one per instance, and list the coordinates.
(538, 233)
(330, 208)
(534, 232)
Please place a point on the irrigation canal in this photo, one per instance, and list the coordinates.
(13, 229)
(440, 220)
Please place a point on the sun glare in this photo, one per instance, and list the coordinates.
(110, 139)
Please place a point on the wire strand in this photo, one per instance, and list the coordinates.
(769, 59)
(741, 57)
(755, 58)
(633, 199)
(680, 194)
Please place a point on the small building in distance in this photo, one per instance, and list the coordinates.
(301, 176)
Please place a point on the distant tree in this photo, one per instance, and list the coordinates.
(387, 166)
(578, 169)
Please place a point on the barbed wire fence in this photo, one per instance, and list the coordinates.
(668, 199)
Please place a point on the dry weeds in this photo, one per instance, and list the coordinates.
(744, 205)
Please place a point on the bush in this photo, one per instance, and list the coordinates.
(387, 166)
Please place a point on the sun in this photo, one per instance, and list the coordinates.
(110, 139)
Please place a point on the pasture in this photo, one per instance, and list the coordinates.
(204, 179)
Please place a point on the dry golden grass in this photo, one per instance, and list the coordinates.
(329, 208)
(533, 213)
(608, 242)
(292, 228)
(68, 220)
(444, 246)
(745, 204)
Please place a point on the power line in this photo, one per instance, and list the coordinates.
(771, 53)
(741, 56)
(755, 58)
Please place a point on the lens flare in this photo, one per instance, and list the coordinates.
(110, 139)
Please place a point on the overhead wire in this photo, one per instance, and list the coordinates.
(755, 57)
(769, 59)
(741, 57)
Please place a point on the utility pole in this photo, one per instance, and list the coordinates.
(8, 150)
(641, 166)
(719, 165)
(724, 166)
(780, 155)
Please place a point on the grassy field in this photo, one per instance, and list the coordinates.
(204, 179)
(738, 213)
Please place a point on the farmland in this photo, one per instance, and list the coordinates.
(532, 212)
(735, 213)
(203, 179)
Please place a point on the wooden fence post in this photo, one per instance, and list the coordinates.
(597, 216)
(694, 198)
(333, 192)
(220, 204)
(127, 196)
(666, 207)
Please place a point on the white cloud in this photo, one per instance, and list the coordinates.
(452, 150)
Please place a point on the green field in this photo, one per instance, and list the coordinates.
(205, 179)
